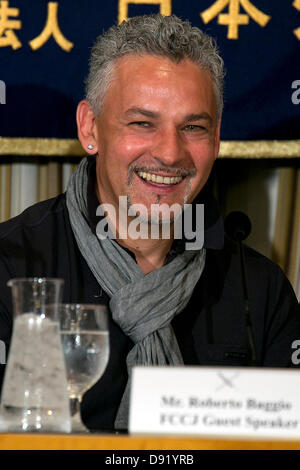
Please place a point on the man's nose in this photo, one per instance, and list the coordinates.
(169, 148)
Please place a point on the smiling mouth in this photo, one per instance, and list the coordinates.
(167, 180)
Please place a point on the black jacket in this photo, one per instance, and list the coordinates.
(210, 331)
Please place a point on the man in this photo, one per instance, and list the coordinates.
(152, 118)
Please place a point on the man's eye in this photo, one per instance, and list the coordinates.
(140, 123)
(192, 127)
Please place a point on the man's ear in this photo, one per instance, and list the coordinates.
(85, 119)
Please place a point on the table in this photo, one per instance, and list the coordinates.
(112, 442)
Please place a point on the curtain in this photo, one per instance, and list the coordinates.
(25, 181)
(268, 191)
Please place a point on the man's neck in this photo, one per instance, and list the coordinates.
(149, 254)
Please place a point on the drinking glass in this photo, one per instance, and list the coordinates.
(85, 343)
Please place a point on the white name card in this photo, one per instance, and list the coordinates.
(215, 401)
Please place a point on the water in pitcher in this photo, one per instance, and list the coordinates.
(34, 396)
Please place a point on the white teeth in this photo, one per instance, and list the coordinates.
(160, 179)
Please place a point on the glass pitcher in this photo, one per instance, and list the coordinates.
(34, 395)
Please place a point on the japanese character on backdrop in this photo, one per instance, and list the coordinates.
(165, 7)
(234, 18)
(296, 4)
(51, 29)
(7, 25)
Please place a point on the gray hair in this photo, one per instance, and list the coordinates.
(166, 36)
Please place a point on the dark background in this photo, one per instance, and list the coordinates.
(44, 86)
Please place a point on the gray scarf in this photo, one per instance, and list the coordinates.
(142, 305)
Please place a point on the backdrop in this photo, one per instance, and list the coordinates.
(44, 49)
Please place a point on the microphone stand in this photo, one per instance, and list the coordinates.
(238, 227)
(253, 359)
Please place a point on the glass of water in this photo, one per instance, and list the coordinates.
(85, 343)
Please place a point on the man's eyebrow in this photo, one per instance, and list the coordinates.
(131, 112)
(144, 112)
(198, 117)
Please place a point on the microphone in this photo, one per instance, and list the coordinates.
(238, 227)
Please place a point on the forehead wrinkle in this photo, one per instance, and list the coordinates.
(136, 110)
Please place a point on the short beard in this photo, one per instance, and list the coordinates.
(158, 219)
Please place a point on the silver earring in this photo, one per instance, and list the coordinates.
(90, 147)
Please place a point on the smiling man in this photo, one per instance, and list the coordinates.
(151, 124)
(157, 137)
